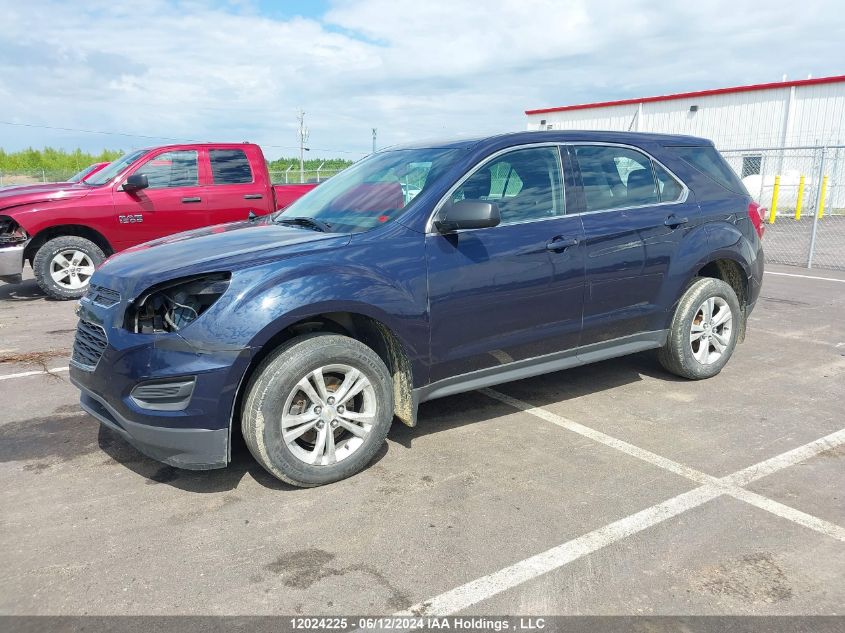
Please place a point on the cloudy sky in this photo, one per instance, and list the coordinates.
(238, 70)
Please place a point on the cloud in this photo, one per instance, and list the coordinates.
(231, 71)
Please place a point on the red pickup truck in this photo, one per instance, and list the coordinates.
(65, 230)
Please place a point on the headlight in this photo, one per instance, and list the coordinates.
(174, 305)
(11, 232)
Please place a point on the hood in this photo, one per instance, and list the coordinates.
(30, 194)
(225, 247)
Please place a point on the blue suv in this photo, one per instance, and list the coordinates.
(419, 272)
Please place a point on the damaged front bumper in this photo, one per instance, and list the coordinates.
(186, 428)
(11, 262)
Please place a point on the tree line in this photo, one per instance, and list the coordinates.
(51, 159)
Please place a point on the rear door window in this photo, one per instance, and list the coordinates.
(615, 177)
(230, 167)
(669, 188)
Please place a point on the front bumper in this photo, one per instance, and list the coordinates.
(195, 437)
(193, 449)
(11, 263)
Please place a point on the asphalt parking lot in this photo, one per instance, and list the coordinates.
(614, 489)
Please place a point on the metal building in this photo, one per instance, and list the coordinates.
(787, 113)
(786, 140)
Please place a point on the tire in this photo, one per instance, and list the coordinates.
(59, 255)
(274, 399)
(689, 358)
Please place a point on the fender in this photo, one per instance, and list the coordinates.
(726, 241)
(402, 310)
(264, 300)
(682, 267)
(91, 211)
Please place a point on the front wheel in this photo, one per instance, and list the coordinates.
(704, 330)
(63, 266)
(318, 409)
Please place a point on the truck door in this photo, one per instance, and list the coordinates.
(235, 189)
(172, 203)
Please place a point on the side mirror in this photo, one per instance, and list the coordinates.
(467, 214)
(136, 182)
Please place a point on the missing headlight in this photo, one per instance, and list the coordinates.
(173, 306)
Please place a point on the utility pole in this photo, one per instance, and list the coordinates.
(303, 137)
(375, 132)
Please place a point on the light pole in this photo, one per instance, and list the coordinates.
(303, 136)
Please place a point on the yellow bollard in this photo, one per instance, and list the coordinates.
(800, 198)
(774, 208)
(821, 200)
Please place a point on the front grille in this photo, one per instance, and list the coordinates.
(89, 345)
(103, 296)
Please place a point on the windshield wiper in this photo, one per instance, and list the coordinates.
(323, 227)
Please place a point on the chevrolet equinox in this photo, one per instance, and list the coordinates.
(419, 272)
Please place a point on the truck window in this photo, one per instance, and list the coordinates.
(171, 169)
(230, 167)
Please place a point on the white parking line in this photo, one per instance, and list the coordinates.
(784, 460)
(39, 372)
(485, 587)
(730, 485)
(770, 272)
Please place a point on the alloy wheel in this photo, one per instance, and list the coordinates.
(328, 414)
(71, 269)
(710, 333)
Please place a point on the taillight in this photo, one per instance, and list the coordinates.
(757, 215)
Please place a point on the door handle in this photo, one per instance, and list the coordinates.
(192, 199)
(674, 221)
(253, 196)
(557, 244)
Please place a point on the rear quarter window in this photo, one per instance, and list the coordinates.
(707, 160)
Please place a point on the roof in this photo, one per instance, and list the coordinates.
(556, 136)
(698, 93)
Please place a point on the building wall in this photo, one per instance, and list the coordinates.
(732, 120)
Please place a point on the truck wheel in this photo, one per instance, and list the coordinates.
(64, 265)
(318, 409)
(704, 330)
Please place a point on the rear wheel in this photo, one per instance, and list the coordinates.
(63, 266)
(704, 330)
(318, 409)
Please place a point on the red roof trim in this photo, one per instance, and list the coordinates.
(698, 93)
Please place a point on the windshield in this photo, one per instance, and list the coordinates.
(107, 173)
(375, 190)
(80, 175)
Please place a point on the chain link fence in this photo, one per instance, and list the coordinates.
(803, 191)
(34, 176)
(292, 175)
